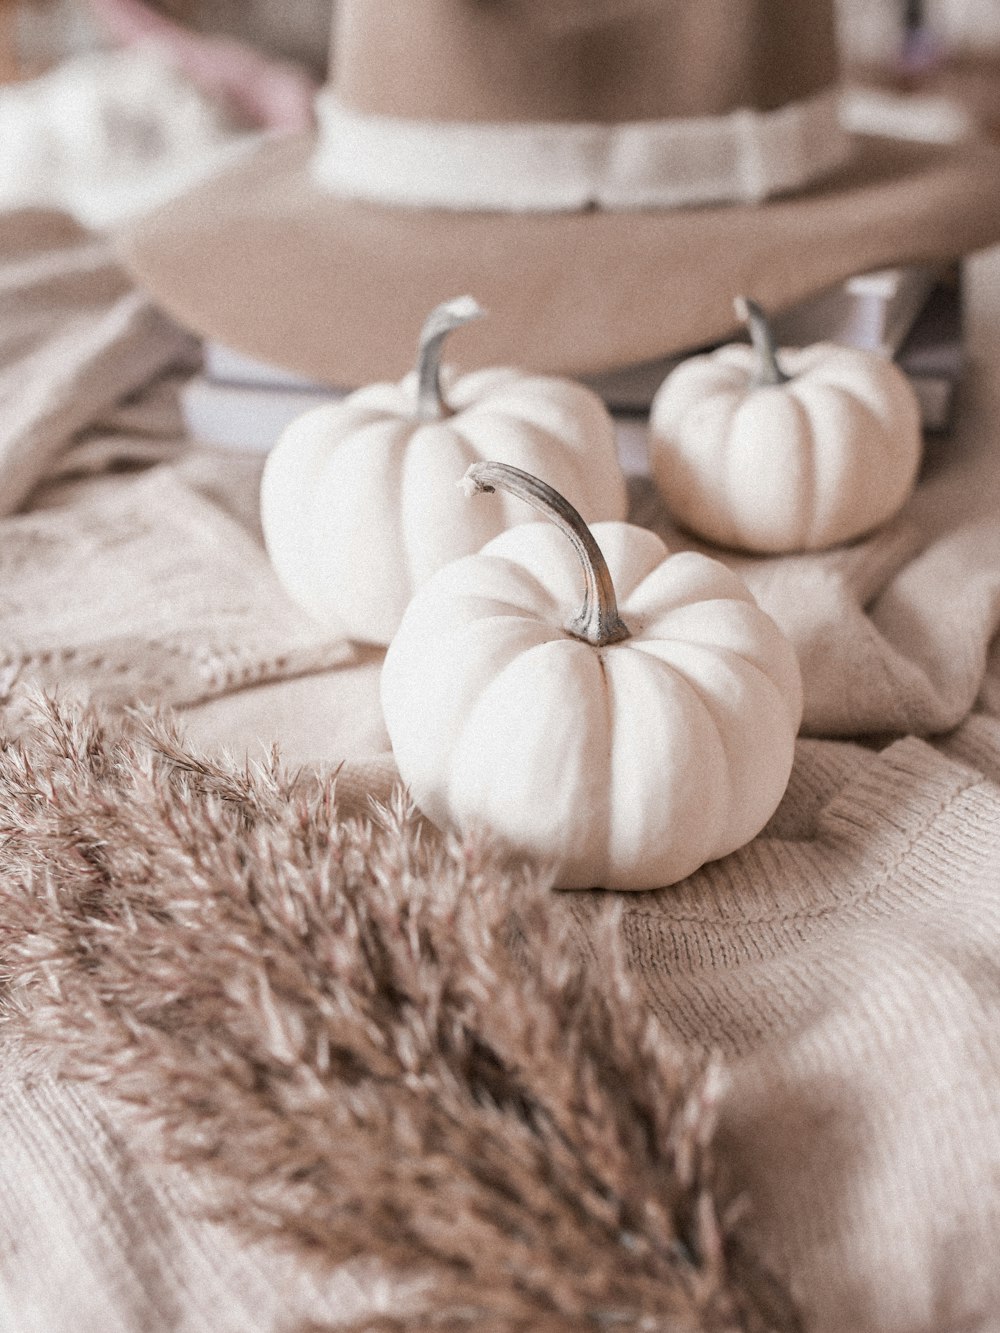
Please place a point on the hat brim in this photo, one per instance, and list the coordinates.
(260, 259)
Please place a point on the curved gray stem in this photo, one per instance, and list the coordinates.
(768, 370)
(598, 622)
(442, 320)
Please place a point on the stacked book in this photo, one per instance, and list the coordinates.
(911, 313)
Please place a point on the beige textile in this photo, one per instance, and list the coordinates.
(844, 962)
(112, 588)
(92, 1241)
(66, 309)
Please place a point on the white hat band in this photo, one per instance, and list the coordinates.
(743, 156)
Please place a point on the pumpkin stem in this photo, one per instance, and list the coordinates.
(442, 320)
(598, 622)
(768, 371)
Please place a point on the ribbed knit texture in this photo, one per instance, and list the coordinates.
(125, 1251)
(848, 972)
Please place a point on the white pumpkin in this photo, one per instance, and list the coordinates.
(358, 500)
(763, 457)
(625, 749)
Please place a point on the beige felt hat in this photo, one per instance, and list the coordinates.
(603, 175)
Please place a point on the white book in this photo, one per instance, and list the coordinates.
(932, 354)
(228, 366)
(243, 417)
(251, 414)
(874, 311)
(250, 418)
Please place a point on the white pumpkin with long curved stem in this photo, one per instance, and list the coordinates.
(624, 743)
(799, 454)
(357, 500)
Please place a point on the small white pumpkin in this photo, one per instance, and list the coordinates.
(624, 749)
(358, 500)
(797, 456)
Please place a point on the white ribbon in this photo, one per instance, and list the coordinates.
(743, 156)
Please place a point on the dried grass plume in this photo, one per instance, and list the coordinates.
(377, 1042)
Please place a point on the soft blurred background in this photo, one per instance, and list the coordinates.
(35, 33)
(38, 33)
(108, 106)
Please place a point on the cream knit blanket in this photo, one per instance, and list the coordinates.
(844, 963)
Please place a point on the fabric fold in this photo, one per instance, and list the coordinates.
(75, 339)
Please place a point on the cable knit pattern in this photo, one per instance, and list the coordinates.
(179, 603)
(142, 590)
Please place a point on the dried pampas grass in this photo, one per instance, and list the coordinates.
(378, 1043)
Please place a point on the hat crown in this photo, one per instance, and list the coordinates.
(579, 60)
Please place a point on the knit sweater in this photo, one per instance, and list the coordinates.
(843, 963)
